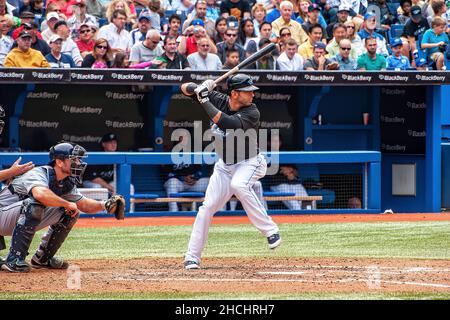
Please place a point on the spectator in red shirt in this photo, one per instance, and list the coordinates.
(86, 41)
(188, 43)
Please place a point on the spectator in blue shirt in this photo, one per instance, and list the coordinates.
(343, 57)
(55, 58)
(368, 30)
(422, 64)
(397, 61)
(435, 40)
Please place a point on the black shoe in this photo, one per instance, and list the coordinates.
(52, 263)
(274, 241)
(16, 265)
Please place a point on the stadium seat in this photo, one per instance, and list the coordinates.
(396, 31)
(393, 6)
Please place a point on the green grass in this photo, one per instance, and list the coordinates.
(396, 240)
(415, 240)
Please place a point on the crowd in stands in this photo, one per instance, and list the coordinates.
(214, 34)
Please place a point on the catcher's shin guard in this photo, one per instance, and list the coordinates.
(53, 239)
(30, 217)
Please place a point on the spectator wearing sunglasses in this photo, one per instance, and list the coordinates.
(148, 49)
(101, 56)
(36, 42)
(339, 33)
(346, 62)
(86, 40)
(230, 43)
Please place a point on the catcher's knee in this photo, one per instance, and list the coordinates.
(32, 213)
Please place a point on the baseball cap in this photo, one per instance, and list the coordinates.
(30, 25)
(109, 137)
(421, 62)
(241, 82)
(416, 12)
(54, 38)
(197, 22)
(59, 23)
(52, 15)
(144, 15)
(25, 34)
(343, 7)
(319, 45)
(313, 7)
(369, 15)
(396, 42)
(26, 15)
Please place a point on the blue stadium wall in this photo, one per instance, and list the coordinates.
(340, 107)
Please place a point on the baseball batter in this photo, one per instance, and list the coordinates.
(235, 121)
(47, 196)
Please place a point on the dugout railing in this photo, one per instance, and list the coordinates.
(364, 164)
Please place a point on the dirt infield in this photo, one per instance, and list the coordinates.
(325, 218)
(293, 275)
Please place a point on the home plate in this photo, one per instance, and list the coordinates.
(292, 273)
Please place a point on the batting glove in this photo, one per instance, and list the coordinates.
(202, 93)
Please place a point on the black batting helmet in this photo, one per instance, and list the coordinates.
(72, 151)
(241, 82)
(2, 123)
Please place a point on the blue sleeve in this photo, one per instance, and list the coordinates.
(72, 63)
(388, 62)
(426, 37)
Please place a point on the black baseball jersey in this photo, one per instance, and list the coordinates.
(235, 144)
(413, 29)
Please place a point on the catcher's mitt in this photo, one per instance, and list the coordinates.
(116, 206)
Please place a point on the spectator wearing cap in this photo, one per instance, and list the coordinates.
(36, 42)
(397, 61)
(368, 29)
(306, 49)
(290, 60)
(314, 16)
(188, 42)
(146, 50)
(339, 33)
(24, 56)
(79, 17)
(26, 16)
(6, 42)
(27, 24)
(298, 34)
(69, 46)
(237, 8)
(51, 20)
(118, 38)
(415, 27)
(203, 59)
(230, 43)
(101, 56)
(144, 24)
(318, 61)
(343, 14)
(435, 42)
(175, 60)
(86, 40)
(371, 60)
(200, 14)
(96, 9)
(55, 58)
(421, 64)
(346, 62)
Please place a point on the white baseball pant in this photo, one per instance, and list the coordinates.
(237, 179)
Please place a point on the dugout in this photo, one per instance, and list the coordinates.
(314, 112)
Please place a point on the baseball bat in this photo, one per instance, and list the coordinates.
(248, 61)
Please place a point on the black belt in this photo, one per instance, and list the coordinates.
(21, 196)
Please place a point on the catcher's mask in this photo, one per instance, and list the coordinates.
(2, 123)
(71, 151)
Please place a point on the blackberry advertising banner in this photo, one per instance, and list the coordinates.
(402, 120)
(83, 114)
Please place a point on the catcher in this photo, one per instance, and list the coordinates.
(47, 196)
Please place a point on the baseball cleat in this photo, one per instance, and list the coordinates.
(2, 261)
(16, 266)
(274, 241)
(191, 265)
(52, 263)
